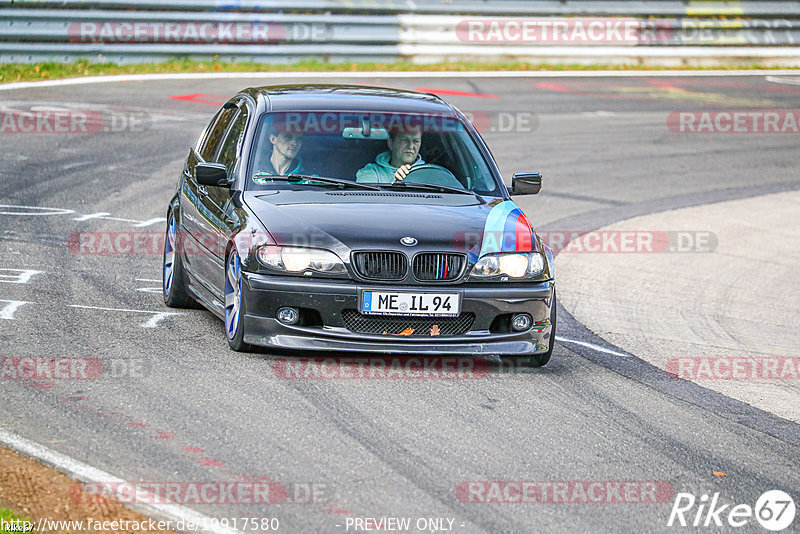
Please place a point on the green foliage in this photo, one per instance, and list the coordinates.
(15, 72)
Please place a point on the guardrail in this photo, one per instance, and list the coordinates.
(770, 8)
(578, 31)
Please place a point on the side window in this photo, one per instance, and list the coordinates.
(201, 141)
(216, 133)
(233, 141)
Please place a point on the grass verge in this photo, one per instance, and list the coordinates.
(9, 518)
(19, 72)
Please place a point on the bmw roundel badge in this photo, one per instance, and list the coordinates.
(408, 241)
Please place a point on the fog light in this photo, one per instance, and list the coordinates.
(521, 321)
(288, 315)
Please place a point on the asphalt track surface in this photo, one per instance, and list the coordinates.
(195, 411)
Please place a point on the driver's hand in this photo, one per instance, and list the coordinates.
(401, 172)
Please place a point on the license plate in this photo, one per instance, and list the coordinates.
(402, 303)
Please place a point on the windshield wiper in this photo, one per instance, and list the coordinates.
(429, 187)
(314, 180)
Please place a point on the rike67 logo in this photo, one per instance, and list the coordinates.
(774, 510)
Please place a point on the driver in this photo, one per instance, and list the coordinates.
(395, 163)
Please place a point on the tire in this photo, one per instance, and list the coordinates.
(173, 277)
(234, 304)
(539, 360)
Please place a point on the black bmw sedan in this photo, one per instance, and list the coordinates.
(349, 218)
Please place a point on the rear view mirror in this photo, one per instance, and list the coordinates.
(526, 183)
(361, 133)
(214, 174)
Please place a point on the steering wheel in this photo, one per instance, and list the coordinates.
(430, 173)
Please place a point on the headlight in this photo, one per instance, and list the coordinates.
(299, 260)
(524, 265)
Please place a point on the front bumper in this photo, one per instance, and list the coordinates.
(490, 303)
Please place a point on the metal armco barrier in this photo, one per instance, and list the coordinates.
(771, 8)
(662, 32)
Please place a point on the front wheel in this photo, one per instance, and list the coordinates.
(234, 304)
(173, 276)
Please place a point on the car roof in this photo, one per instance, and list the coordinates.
(332, 97)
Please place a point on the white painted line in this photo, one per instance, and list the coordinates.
(76, 164)
(157, 317)
(39, 210)
(119, 309)
(21, 276)
(154, 320)
(123, 78)
(7, 311)
(119, 219)
(147, 280)
(598, 348)
(789, 80)
(46, 211)
(82, 472)
(149, 289)
(599, 113)
(148, 222)
(92, 216)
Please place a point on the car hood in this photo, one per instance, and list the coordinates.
(365, 220)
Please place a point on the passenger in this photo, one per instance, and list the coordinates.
(395, 163)
(285, 148)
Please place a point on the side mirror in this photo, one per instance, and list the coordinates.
(214, 174)
(526, 183)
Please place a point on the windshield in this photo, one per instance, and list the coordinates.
(367, 148)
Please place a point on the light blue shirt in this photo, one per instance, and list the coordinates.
(381, 171)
